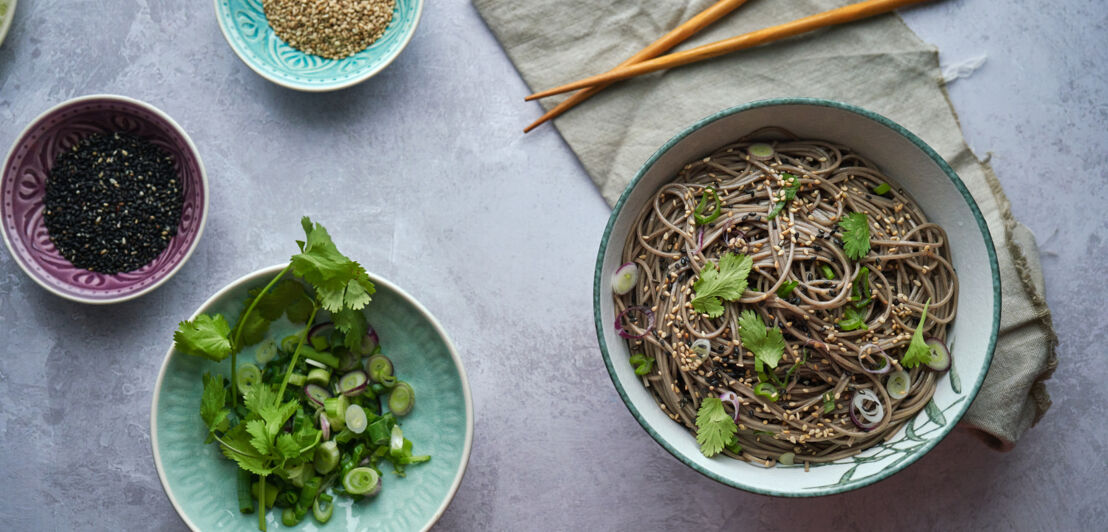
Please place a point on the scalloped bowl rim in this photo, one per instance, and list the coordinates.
(954, 180)
(369, 73)
(192, 151)
(377, 279)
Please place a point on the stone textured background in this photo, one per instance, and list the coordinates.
(422, 174)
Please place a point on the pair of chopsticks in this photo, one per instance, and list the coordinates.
(648, 59)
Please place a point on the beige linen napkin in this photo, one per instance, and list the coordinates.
(878, 64)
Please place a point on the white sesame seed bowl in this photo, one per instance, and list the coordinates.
(251, 36)
(924, 176)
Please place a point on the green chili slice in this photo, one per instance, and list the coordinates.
(698, 213)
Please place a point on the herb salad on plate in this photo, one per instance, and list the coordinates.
(320, 413)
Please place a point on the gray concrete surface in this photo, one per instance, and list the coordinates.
(423, 175)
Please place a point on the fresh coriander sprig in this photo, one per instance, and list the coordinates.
(918, 351)
(855, 228)
(728, 281)
(715, 428)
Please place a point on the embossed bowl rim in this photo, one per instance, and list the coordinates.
(265, 273)
(320, 88)
(193, 152)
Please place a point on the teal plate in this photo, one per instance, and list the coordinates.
(200, 482)
(245, 27)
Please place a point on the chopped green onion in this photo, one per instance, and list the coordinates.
(319, 376)
(882, 189)
(401, 399)
(289, 518)
(266, 351)
(378, 431)
(379, 367)
(767, 390)
(859, 290)
(326, 457)
(789, 192)
(786, 458)
(356, 419)
(760, 151)
(828, 273)
(898, 384)
(322, 512)
(698, 213)
(246, 499)
(297, 379)
(828, 403)
(248, 376)
(360, 481)
(335, 410)
(786, 289)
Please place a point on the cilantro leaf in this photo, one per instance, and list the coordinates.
(259, 435)
(287, 446)
(855, 228)
(786, 289)
(353, 324)
(727, 282)
(237, 445)
(213, 405)
(790, 191)
(918, 350)
(715, 428)
(338, 281)
(252, 326)
(206, 336)
(283, 295)
(767, 345)
(852, 320)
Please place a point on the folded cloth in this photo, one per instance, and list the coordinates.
(878, 64)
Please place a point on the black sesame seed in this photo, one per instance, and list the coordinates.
(112, 203)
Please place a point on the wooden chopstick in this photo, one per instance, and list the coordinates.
(840, 15)
(678, 35)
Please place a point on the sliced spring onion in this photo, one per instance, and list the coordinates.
(353, 383)
(322, 512)
(401, 399)
(335, 409)
(247, 377)
(882, 189)
(289, 518)
(786, 289)
(760, 151)
(361, 481)
(370, 341)
(316, 363)
(396, 440)
(379, 367)
(317, 394)
(874, 360)
(625, 278)
(828, 403)
(326, 457)
(786, 458)
(645, 312)
(828, 272)
(767, 390)
(356, 419)
(266, 351)
(297, 379)
(702, 347)
(898, 384)
(324, 426)
(348, 360)
(940, 355)
(698, 213)
(320, 376)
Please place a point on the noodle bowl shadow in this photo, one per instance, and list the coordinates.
(910, 164)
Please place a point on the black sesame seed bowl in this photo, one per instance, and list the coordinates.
(102, 199)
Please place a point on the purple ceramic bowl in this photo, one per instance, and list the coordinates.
(23, 185)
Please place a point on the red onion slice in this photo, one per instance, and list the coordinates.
(732, 398)
(324, 425)
(640, 309)
(699, 239)
(866, 418)
(870, 351)
(940, 355)
(370, 341)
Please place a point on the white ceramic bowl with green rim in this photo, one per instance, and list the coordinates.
(910, 164)
(200, 482)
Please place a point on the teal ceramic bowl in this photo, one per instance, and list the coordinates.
(200, 482)
(927, 178)
(245, 27)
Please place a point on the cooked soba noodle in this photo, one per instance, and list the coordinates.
(908, 265)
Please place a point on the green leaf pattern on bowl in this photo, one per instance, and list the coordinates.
(249, 32)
